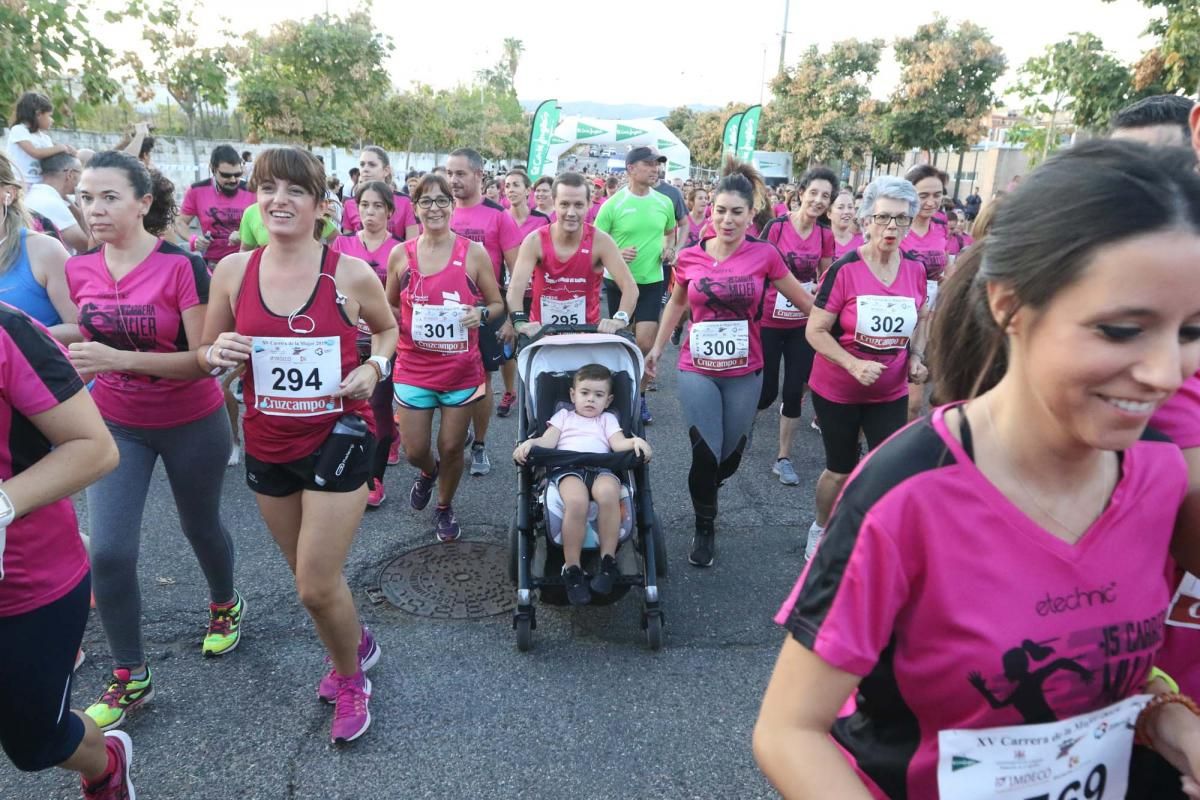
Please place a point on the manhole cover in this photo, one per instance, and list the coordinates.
(451, 580)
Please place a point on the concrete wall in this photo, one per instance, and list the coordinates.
(986, 170)
(175, 157)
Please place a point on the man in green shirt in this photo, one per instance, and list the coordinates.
(640, 219)
(253, 232)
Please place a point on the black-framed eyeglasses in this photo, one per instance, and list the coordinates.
(230, 175)
(883, 220)
(441, 201)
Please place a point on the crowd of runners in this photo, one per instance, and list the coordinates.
(1013, 557)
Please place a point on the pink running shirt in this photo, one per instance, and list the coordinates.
(959, 612)
(143, 312)
(398, 223)
(882, 336)
(929, 249)
(219, 215)
(490, 225)
(803, 255)
(839, 249)
(731, 292)
(43, 556)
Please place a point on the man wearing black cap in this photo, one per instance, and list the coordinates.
(640, 219)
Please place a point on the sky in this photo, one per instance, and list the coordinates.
(674, 52)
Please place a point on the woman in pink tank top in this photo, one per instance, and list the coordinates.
(443, 287)
(289, 311)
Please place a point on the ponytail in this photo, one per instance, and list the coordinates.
(744, 180)
(967, 350)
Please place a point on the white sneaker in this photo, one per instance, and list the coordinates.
(235, 455)
(815, 534)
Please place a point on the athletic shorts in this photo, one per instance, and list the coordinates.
(649, 303)
(491, 349)
(418, 397)
(586, 474)
(282, 480)
(841, 422)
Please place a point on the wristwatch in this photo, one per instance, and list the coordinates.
(622, 318)
(483, 314)
(382, 364)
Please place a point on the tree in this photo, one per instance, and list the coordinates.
(705, 141)
(1173, 64)
(823, 109)
(1038, 141)
(1076, 77)
(48, 44)
(195, 77)
(681, 121)
(318, 81)
(946, 86)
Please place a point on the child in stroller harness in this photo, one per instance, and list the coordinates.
(588, 428)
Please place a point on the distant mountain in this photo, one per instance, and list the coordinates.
(612, 110)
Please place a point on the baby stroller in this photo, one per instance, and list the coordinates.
(545, 368)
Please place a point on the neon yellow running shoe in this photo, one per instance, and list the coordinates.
(123, 695)
(224, 626)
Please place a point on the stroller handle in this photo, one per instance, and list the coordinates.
(558, 330)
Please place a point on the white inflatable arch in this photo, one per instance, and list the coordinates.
(623, 133)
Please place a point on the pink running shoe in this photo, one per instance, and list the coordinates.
(351, 712)
(368, 656)
(116, 785)
(376, 495)
(394, 452)
(506, 404)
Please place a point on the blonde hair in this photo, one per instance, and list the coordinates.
(15, 217)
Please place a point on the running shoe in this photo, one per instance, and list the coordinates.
(224, 626)
(122, 695)
(422, 488)
(480, 464)
(506, 404)
(448, 529)
(815, 534)
(394, 452)
(604, 580)
(703, 548)
(368, 656)
(651, 385)
(786, 472)
(578, 593)
(351, 711)
(376, 495)
(647, 418)
(815, 425)
(116, 784)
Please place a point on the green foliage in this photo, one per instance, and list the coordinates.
(1173, 64)
(47, 44)
(680, 121)
(823, 111)
(1077, 77)
(1039, 143)
(946, 86)
(319, 81)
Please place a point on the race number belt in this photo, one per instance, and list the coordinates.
(784, 310)
(572, 311)
(720, 345)
(296, 376)
(439, 329)
(1082, 758)
(885, 322)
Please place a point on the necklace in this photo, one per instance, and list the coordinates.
(1075, 537)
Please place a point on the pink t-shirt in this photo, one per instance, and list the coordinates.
(957, 243)
(780, 210)
(490, 225)
(352, 245)
(1179, 418)
(535, 220)
(803, 255)
(959, 612)
(726, 301)
(43, 557)
(839, 249)
(581, 434)
(143, 312)
(929, 249)
(398, 224)
(218, 213)
(881, 335)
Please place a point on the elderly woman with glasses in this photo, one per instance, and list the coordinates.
(868, 329)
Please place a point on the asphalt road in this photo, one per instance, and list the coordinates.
(458, 712)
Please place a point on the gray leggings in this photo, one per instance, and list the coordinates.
(720, 409)
(195, 457)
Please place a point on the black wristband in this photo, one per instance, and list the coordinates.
(518, 317)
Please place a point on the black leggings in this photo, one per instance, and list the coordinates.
(841, 422)
(37, 728)
(792, 346)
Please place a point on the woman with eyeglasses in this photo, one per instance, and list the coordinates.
(374, 165)
(375, 202)
(141, 307)
(443, 288)
(807, 247)
(874, 298)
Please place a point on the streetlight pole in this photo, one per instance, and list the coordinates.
(783, 35)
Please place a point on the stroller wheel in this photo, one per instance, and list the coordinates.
(524, 626)
(654, 630)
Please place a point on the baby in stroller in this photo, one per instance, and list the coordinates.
(587, 428)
